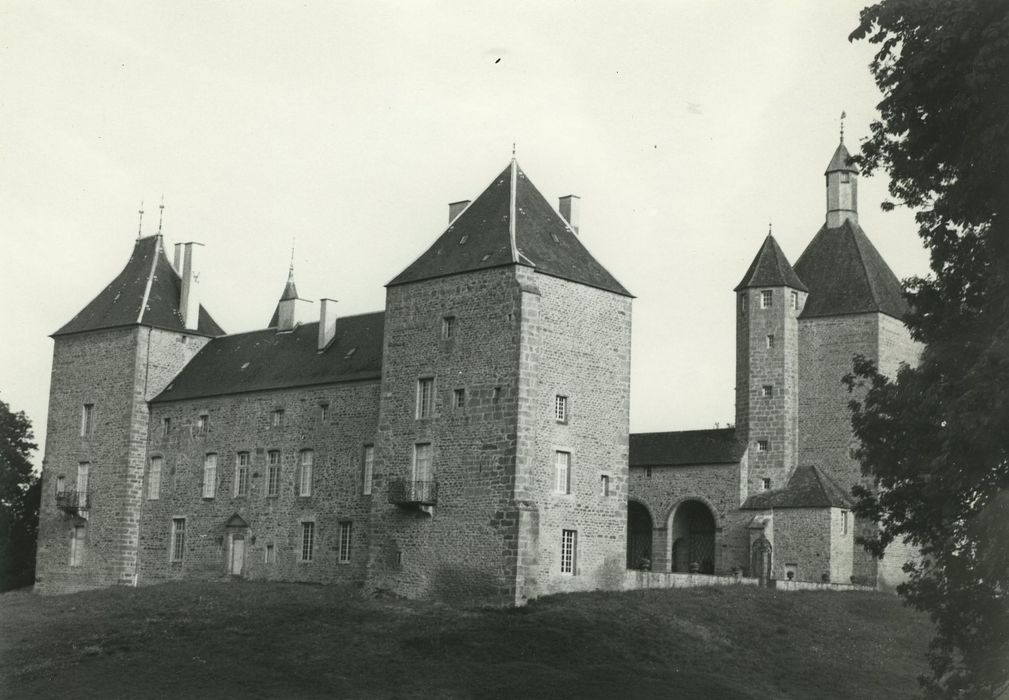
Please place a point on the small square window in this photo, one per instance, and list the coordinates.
(766, 298)
(277, 420)
(763, 445)
(767, 391)
(448, 328)
(425, 397)
(459, 398)
(769, 341)
(561, 408)
(765, 484)
(795, 301)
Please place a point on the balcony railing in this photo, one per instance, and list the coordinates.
(73, 501)
(404, 492)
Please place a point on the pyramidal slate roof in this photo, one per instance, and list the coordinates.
(839, 161)
(145, 293)
(290, 292)
(510, 223)
(808, 487)
(770, 268)
(271, 359)
(719, 446)
(845, 274)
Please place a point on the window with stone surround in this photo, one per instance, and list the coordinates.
(154, 479)
(306, 460)
(178, 540)
(83, 476)
(459, 398)
(203, 424)
(763, 445)
(87, 420)
(307, 541)
(795, 301)
(569, 551)
(425, 397)
(210, 475)
(769, 341)
(166, 427)
(277, 419)
(241, 474)
(273, 473)
(270, 555)
(604, 484)
(77, 546)
(844, 522)
(61, 484)
(766, 298)
(765, 484)
(346, 532)
(562, 472)
(367, 469)
(561, 408)
(323, 412)
(448, 328)
(423, 462)
(767, 391)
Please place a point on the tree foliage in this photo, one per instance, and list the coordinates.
(20, 493)
(935, 439)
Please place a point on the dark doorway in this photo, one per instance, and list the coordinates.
(639, 536)
(693, 535)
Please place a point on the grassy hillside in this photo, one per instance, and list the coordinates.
(258, 640)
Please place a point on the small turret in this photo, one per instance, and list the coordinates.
(291, 309)
(842, 188)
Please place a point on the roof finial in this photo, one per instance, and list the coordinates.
(161, 213)
(843, 115)
(140, 225)
(290, 270)
(513, 150)
(769, 225)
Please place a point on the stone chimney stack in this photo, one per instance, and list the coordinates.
(189, 302)
(570, 210)
(177, 261)
(455, 209)
(327, 322)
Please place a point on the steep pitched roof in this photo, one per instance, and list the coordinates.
(808, 487)
(685, 447)
(847, 275)
(839, 161)
(145, 293)
(269, 359)
(510, 223)
(770, 268)
(290, 292)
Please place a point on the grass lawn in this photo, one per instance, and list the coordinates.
(258, 640)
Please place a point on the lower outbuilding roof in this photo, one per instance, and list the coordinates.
(718, 446)
(808, 487)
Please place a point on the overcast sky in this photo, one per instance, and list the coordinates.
(684, 126)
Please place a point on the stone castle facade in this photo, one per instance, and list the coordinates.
(469, 442)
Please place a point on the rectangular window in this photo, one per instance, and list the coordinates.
(448, 328)
(767, 391)
(323, 411)
(425, 397)
(763, 445)
(61, 484)
(77, 546)
(83, 476)
(459, 398)
(561, 408)
(270, 557)
(305, 462)
(210, 475)
(648, 472)
(367, 469)
(154, 479)
(604, 482)
(87, 420)
(769, 341)
(562, 472)
(844, 522)
(166, 427)
(346, 531)
(307, 541)
(242, 474)
(765, 484)
(569, 551)
(766, 297)
(203, 424)
(795, 301)
(178, 539)
(273, 473)
(423, 466)
(278, 418)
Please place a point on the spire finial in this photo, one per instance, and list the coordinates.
(140, 224)
(513, 150)
(290, 270)
(161, 213)
(769, 226)
(843, 115)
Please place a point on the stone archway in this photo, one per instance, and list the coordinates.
(692, 531)
(639, 536)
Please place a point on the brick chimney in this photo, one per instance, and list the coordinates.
(189, 301)
(327, 322)
(455, 209)
(570, 206)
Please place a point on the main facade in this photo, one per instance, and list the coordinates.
(469, 442)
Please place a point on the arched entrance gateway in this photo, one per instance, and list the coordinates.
(639, 536)
(692, 530)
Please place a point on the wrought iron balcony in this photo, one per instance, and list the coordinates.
(73, 501)
(404, 492)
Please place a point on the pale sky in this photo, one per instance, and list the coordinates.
(685, 127)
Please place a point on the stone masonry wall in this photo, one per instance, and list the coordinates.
(462, 548)
(583, 344)
(802, 538)
(243, 423)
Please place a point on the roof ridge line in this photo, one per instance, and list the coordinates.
(512, 203)
(150, 278)
(863, 268)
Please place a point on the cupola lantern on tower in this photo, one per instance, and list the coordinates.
(842, 188)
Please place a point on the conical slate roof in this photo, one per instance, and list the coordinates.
(808, 487)
(770, 268)
(839, 161)
(510, 223)
(145, 293)
(847, 275)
